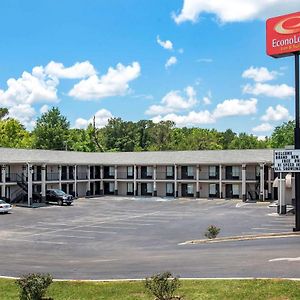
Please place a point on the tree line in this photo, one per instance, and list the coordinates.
(52, 131)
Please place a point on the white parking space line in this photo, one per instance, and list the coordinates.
(289, 259)
(109, 220)
(113, 227)
(265, 228)
(34, 241)
(93, 231)
(53, 224)
(72, 236)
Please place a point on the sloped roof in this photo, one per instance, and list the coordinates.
(9, 155)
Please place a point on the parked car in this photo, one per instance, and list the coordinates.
(4, 207)
(58, 196)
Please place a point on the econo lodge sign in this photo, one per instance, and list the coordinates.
(283, 35)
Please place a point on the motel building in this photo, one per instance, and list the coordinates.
(230, 174)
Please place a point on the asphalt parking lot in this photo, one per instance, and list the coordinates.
(117, 237)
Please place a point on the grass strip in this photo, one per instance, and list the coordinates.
(270, 289)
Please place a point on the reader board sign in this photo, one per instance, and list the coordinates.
(287, 161)
(283, 35)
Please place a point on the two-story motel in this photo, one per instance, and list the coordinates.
(242, 174)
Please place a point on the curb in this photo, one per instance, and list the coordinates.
(243, 238)
(184, 278)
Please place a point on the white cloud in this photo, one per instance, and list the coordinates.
(235, 107)
(78, 70)
(171, 61)
(269, 90)
(30, 88)
(173, 102)
(24, 113)
(207, 99)
(113, 83)
(263, 127)
(192, 118)
(44, 109)
(260, 74)
(168, 45)
(234, 10)
(101, 119)
(204, 60)
(278, 113)
(261, 137)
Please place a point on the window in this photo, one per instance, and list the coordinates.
(235, 171)
(170, 171)
(190, 171)
(190, 188)
(149, 171)
(149, 188)
(169, 188)
(212, 171)
(130, 187)
(130, 171)
(111, 171)
(111, 187)
(212, 189)
(235, 190)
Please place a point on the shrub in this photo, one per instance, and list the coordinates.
(163, 286)
(33, 286)
(212, 231)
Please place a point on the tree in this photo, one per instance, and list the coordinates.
(227, 137)
(14, 135)
(51, 130)
(247, 141)
(80, 140)
(160, 135)
(3, 112)
(283, 135)
(120, 135)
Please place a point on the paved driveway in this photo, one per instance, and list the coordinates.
(117, 237)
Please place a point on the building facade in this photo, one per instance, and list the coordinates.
(241, 174)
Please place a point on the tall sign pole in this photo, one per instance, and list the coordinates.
(283, 39)
(297, 142)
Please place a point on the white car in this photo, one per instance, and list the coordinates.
(4, 207)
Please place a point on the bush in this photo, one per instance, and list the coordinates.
(212, 232)
(163, 286)
(34, 286)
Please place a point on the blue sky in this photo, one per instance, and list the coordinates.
(218, 74)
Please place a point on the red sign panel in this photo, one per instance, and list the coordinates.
(283, 35)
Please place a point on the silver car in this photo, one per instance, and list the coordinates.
(4, 207)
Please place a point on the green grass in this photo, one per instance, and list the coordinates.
(190, 290)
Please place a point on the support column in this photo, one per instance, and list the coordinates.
(197, 181)
(75, 180)
(154, 182)
(135, 169)
(175, 181)
(101, 182)
(43, 175)
(116, 180)
(281, 195)
(269, 183)
(29, 184)
(220, 182)
(59, 176)
(88, 186)
(262, 183)
(3, 172)
(244, 192)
